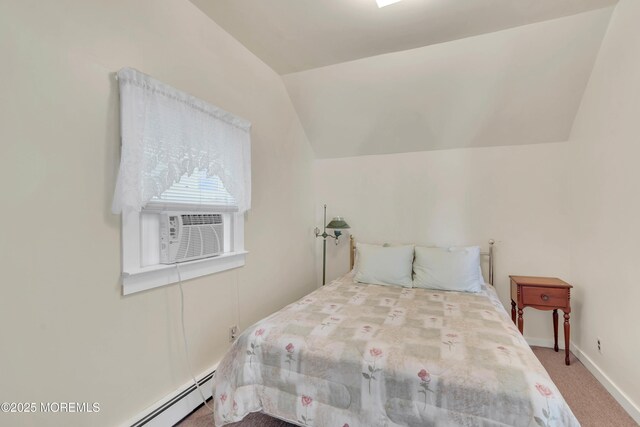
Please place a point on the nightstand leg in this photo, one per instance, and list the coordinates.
(513, 312)
(520, 320)
(567, 334)
(555, 330)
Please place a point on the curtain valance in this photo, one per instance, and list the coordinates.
(167, 133)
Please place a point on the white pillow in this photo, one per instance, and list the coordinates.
(454, 269)
(384, 265)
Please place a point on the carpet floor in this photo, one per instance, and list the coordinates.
(587, 398)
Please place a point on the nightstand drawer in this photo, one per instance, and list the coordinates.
(550, 297)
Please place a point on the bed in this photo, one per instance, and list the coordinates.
(352, 354)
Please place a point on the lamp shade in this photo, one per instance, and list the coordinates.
(338, 223)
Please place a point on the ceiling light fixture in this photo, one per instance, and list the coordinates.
(383, 3)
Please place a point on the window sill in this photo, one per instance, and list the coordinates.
(160, 275)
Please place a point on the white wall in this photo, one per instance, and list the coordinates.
(515, 195)
(605, 209)
(68, 334)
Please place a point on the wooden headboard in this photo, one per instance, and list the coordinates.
(489, 254)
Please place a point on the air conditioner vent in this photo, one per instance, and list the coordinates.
(201, 219)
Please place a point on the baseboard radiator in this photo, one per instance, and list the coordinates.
(176, 406)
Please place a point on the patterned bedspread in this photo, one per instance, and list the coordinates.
(352, 355)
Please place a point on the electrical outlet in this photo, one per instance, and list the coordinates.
(233, 333)
(599, 346)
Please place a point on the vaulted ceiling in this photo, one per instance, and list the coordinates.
(518, 86)
(296, 35)
(424, 74)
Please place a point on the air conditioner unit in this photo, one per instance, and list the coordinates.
(190, 236)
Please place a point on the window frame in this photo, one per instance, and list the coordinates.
(136, 278)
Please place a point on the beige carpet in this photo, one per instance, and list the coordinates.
(587, 398)
(590, 402)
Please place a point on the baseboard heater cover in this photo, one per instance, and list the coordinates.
(177, 407)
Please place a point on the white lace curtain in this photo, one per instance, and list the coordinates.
(167, 133)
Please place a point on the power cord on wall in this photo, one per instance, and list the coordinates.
(186, 345)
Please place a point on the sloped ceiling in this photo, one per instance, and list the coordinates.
(296, 35)
(517, 86)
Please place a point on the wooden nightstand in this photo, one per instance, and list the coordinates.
(543, 293)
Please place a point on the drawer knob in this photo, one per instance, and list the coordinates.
(544, 297)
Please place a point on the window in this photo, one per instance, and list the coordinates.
(195, 192)
(193, 196)
(184, 162)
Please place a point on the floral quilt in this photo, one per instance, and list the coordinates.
(351, 354)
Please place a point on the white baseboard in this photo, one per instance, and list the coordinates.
(621, 397)
(176, 405)
(632, 409)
